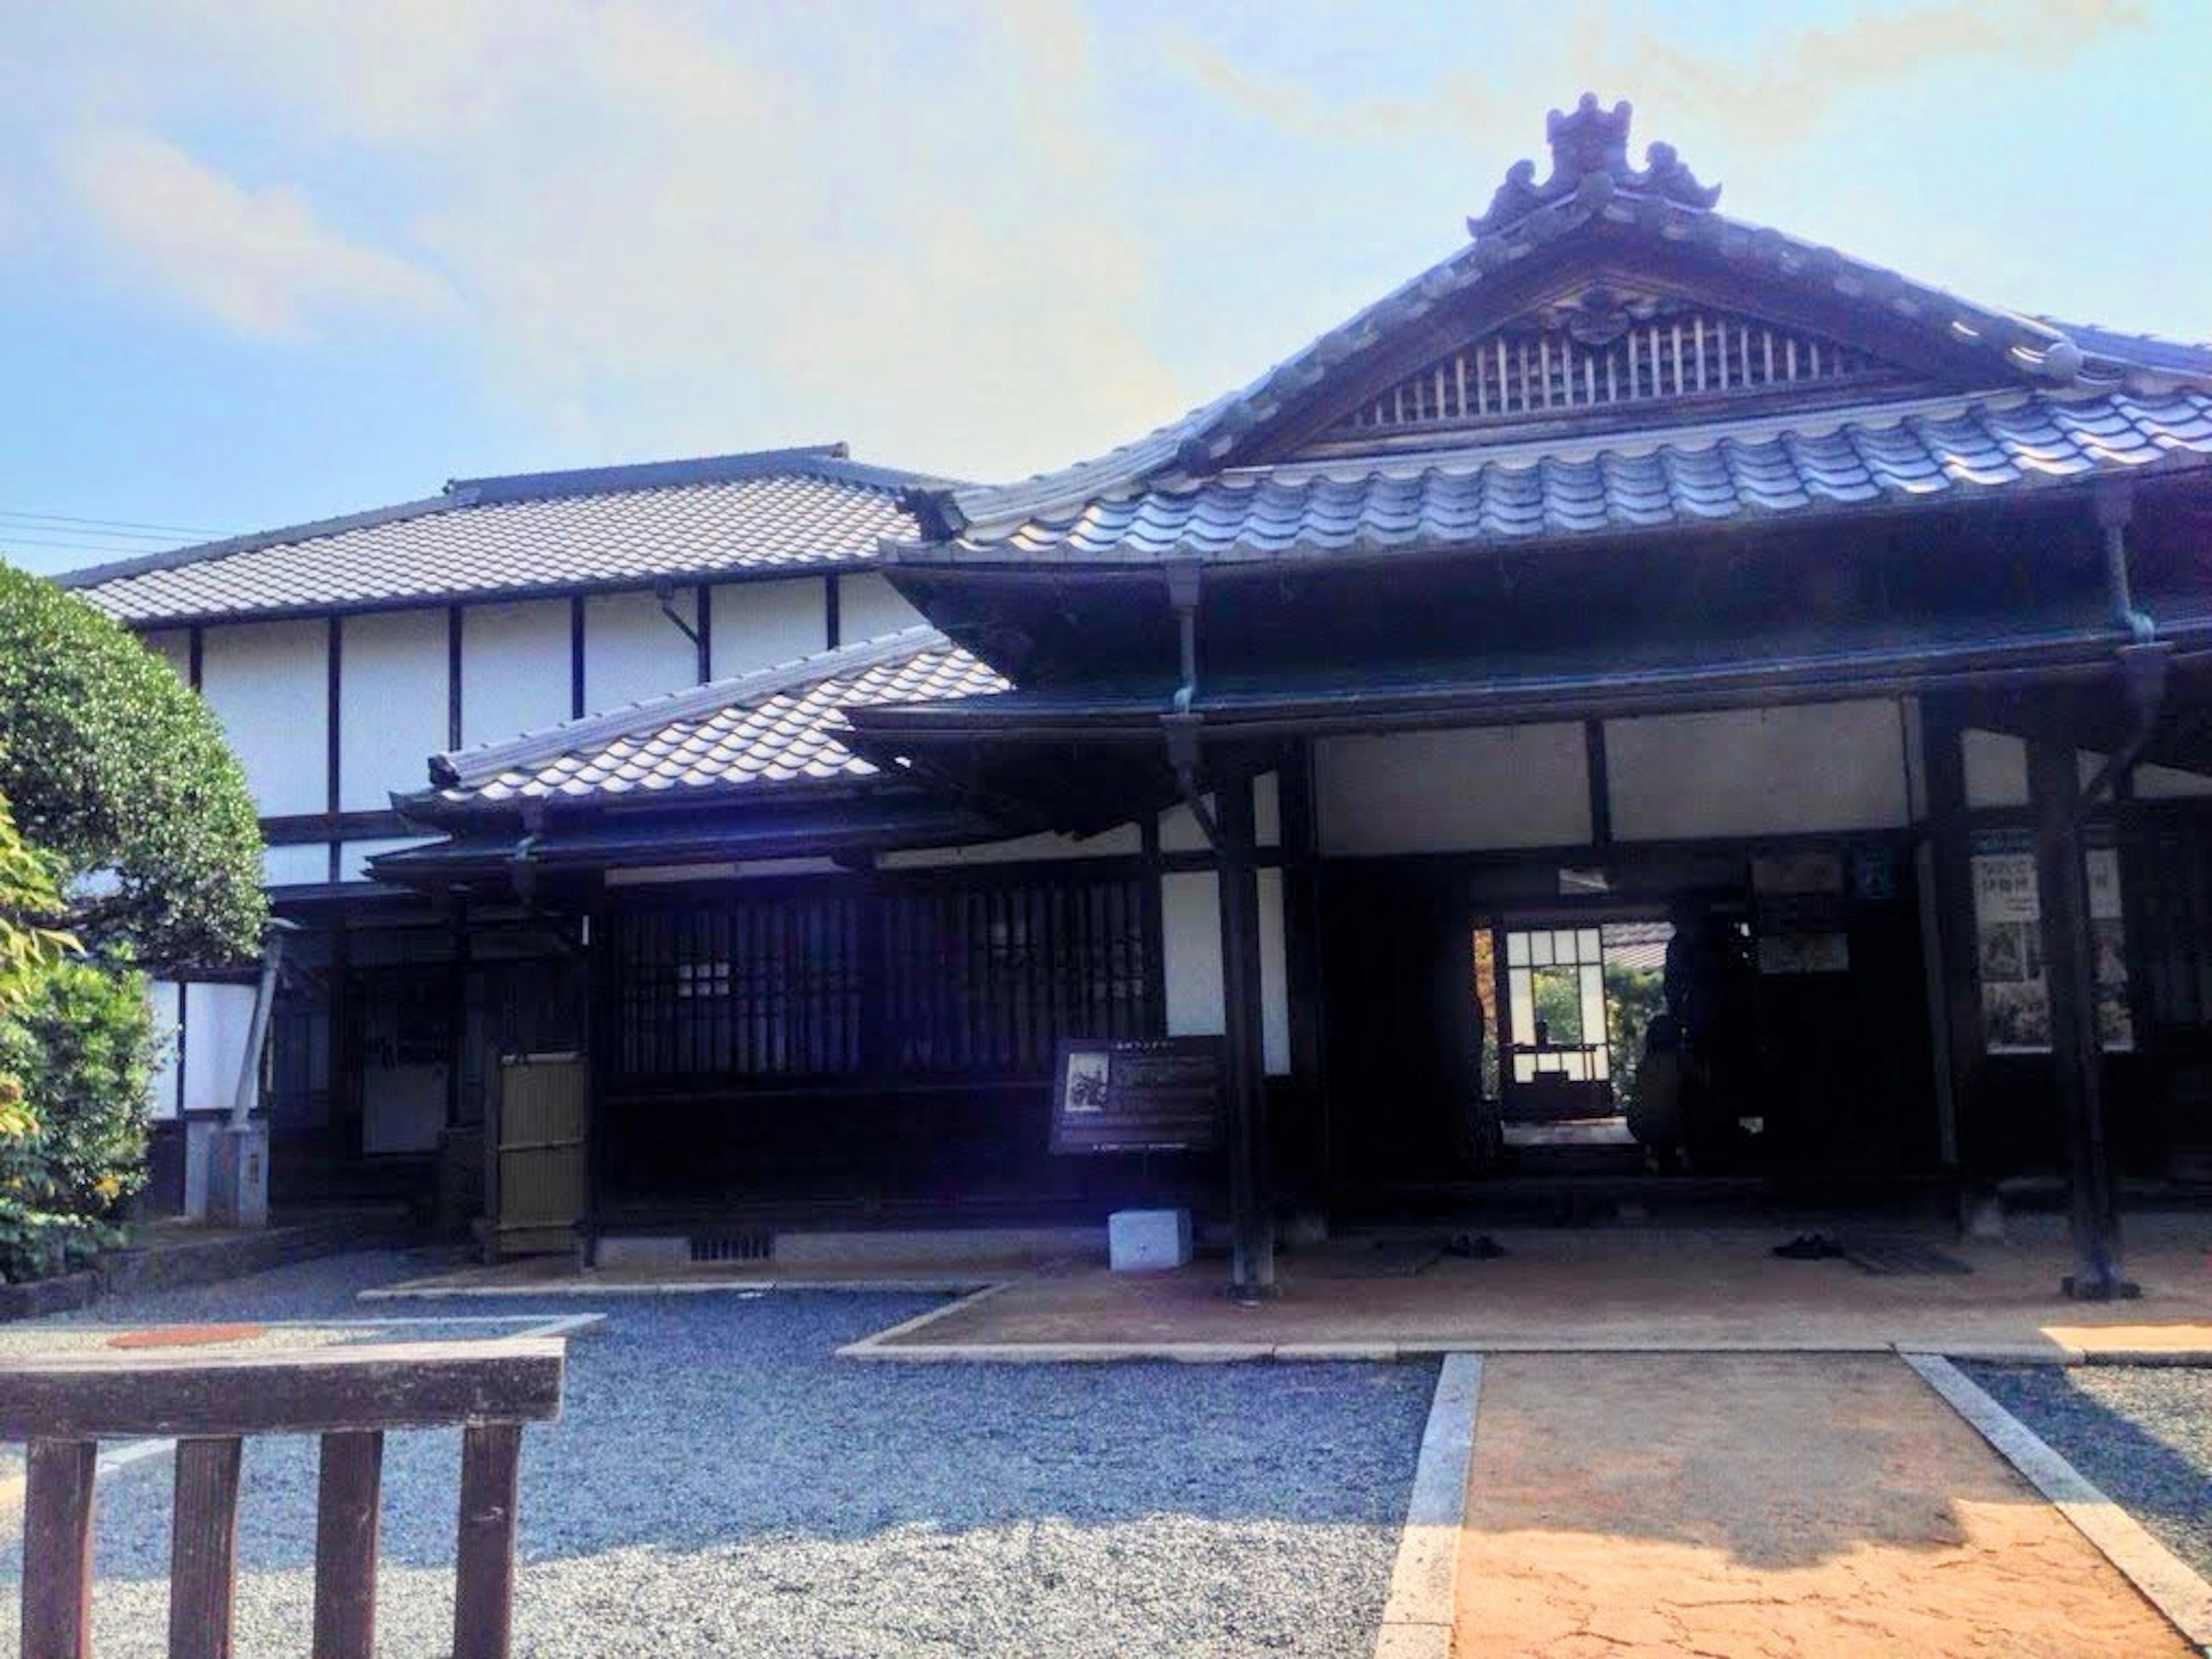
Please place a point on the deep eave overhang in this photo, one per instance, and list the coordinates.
(1119, 714)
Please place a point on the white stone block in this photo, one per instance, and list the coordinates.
(1146, 1241)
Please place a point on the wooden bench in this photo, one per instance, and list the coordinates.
(64, 1405)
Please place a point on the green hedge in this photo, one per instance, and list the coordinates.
(81, 1045)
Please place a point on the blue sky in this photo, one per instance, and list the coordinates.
(263, 261)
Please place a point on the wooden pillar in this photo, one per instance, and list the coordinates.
(1250, 1212)
(603, 993)
(2063, 892)
(1302, 968)
(1947, 929)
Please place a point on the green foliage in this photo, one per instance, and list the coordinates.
(82, 1045)
(30, 905)
(1632, 996)
(115, 766)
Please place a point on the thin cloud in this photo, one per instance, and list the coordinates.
(258, 261)
(1780, 92)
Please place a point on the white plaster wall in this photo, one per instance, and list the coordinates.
(1274, 977)
(300, 865)
(392, 696)
(1190, 939)
(2170, 783)
(868, 604)
(269, 685)
(1997, 768)
(1126, 842)
(173, 645)
(1190, 949)
(514, 669)
(757, 624)
(217, 1019)
(162, 999)
(1769, 771)
(1179, 830)
(1437, 792)
(632, 651)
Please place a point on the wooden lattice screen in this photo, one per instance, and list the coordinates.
(927, 978)
(1507, 377)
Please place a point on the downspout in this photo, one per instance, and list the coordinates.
(1182, 726)
(2144, 661)
(257, 1031)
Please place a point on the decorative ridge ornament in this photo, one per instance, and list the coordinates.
(1590, 156)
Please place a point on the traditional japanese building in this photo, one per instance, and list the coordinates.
(1650, 700)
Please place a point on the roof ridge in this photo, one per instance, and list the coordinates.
(832, 461)
(2034, 349)
(96, 575)
(467, 768)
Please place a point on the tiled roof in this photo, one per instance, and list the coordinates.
(1630, 212)
(776, 725)
(729, 515)
(1807, 463)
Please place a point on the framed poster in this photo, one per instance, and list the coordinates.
(2008, 948)
(1143, 1095)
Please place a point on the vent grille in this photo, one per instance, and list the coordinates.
(737, 1245)
(1558, 370)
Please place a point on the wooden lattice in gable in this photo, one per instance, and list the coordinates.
(1601, 348)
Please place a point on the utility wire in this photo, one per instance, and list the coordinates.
(106, 526)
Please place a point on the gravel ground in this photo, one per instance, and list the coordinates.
(2143, 1433)
(720, 1485)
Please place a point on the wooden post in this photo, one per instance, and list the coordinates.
(347, 1501)
(58, 1550)
(484, 1591)
(203, 1548)
(1948, 930)
(1251, 1215)
(2062, 891)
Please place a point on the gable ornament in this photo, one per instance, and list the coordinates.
(1589, 159)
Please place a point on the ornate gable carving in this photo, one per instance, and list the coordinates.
(1590, 155)
(1601, 348)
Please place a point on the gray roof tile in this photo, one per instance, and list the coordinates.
(774, 726)
(726, 516)
(1809, 461)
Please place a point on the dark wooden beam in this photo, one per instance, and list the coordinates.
(2070, 964)
(92, 1394)
(1250, 1204)
(454, 629)
(576, 657)
(1600, 783)
(1950, 893)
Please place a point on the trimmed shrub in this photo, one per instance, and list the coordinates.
(82, 1049)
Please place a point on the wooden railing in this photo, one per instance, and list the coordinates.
(65, 1405)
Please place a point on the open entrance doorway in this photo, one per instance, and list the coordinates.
(1602, 1037)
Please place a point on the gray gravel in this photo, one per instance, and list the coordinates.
(2143, 1433)
(720, 1485)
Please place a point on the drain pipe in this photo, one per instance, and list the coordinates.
(2144, 661)
(1182, 726)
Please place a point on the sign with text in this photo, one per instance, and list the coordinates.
(1143, 1095)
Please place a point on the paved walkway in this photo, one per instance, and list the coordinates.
(1764, 1506)
(1603, 1290)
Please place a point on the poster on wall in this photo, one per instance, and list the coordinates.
(2009, 942)
(1149, 1095)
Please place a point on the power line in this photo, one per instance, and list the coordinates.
(105, 527)
(8, 538)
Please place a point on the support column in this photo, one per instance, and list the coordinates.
(1251, 1214)
(2063, 892)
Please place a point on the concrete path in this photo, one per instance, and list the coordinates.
(1764, 1506)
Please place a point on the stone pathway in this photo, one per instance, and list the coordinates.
(1764, 1506)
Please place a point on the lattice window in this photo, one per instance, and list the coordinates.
(755, 986)
(1575, 360)
(989, 979)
